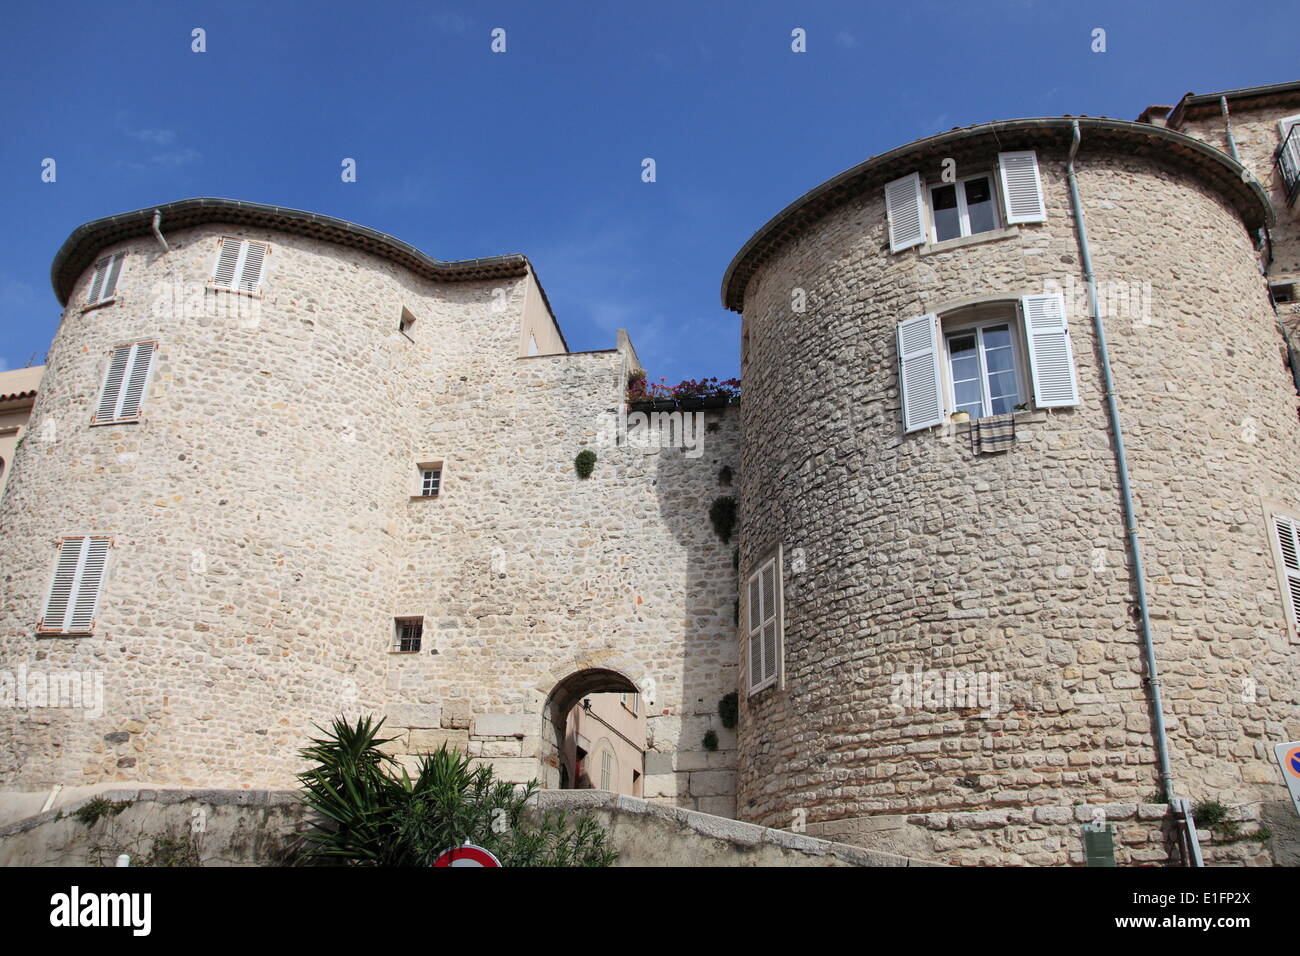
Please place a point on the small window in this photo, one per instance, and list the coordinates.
(963, 208)
(408, 632)
(125, 381)
(240, 263)
(1283, 292)
(406, 322)
(73, 598)
(631, 702)
(763, 620)
(430, 480)
(984, 369)
(103, 282)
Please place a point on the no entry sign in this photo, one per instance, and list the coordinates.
(467, 855)
(1288, 757)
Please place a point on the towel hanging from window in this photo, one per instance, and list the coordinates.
(989, 436)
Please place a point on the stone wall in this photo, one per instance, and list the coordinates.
(917, 554)
(265, 533)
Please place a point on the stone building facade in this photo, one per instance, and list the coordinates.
(314, 471)
(268, 534)
(961, 669)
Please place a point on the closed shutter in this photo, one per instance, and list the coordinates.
(74, 594)
(1051, 360)
(103, 281)
(250, 275)
(918, 372)
(906, 212)
(1291, 152)
(1288, 540)
(227, 263)
(125, 382)
(1022, 190)
(763, 623)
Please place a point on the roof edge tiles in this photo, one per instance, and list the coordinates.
(1242, 190)
(84, 244)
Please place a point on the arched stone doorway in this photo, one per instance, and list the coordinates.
(558, 770)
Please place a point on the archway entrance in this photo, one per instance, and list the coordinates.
(596, 725)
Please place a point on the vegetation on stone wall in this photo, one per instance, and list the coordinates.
(729, 710)
(584, 463)
(723, 515)
(375, 814)
(704, 389)
(710, 740)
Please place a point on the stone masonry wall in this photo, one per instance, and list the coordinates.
(266, 535)
(917, 554)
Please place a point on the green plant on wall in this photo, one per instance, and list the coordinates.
(729, 710)
(710, 740)
(723, 516)
(585, 463)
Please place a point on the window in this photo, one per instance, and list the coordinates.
(978, 366)
(1283, 292)
(103, 281)
(74, 593)
(982, 364)
(125, 382)
(963, 208)
(606, 769)
(408, 632)
(430, 479)
(630, 701)
(763, 622)
(240, 265)
(966, 207)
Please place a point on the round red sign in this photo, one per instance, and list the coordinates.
(467, 855)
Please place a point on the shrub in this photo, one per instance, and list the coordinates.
(93, 809)
(639, 390)
(723, 515)
(584, 463)
(729, 710)
(710, 740)
(372, 816)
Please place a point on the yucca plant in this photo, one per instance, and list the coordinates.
(376, 814)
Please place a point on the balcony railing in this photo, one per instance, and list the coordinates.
(1288, 163)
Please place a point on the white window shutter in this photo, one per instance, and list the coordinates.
(918, 372)
(227, 263)
(1051, 360)
(73, 600)
(112, 387)
(767, 580)
(250, 276)
(96, 282)
(763, 622)
(110, 280)
(753, 623)
(906, 212)
(1022, 189)
(133, 392)
(1288, 539)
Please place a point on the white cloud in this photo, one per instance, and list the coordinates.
(846, 39)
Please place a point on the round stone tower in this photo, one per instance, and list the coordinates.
(957, 668)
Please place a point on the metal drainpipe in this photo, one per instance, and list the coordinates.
(1227, 125)
(1130, 519)
(157, 230)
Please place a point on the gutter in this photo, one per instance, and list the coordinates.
(1121, 461)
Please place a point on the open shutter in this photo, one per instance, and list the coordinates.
(91, 582)
(1288, 539)
(133, 393)
(250, 276)
(754, 624)
(918, 375)
(112, 388)
(1051, 361)
(906, 212)
(227, 263)
(1022, 190)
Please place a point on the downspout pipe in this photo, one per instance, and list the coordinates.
(157, 230)
(1121, 461)
(1227, 126)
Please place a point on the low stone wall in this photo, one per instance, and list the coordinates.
(255, 827)
(159, 828)
(1144, 835)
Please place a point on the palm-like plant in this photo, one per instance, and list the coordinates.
(376, 814)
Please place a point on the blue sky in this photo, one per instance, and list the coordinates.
(464, 153)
